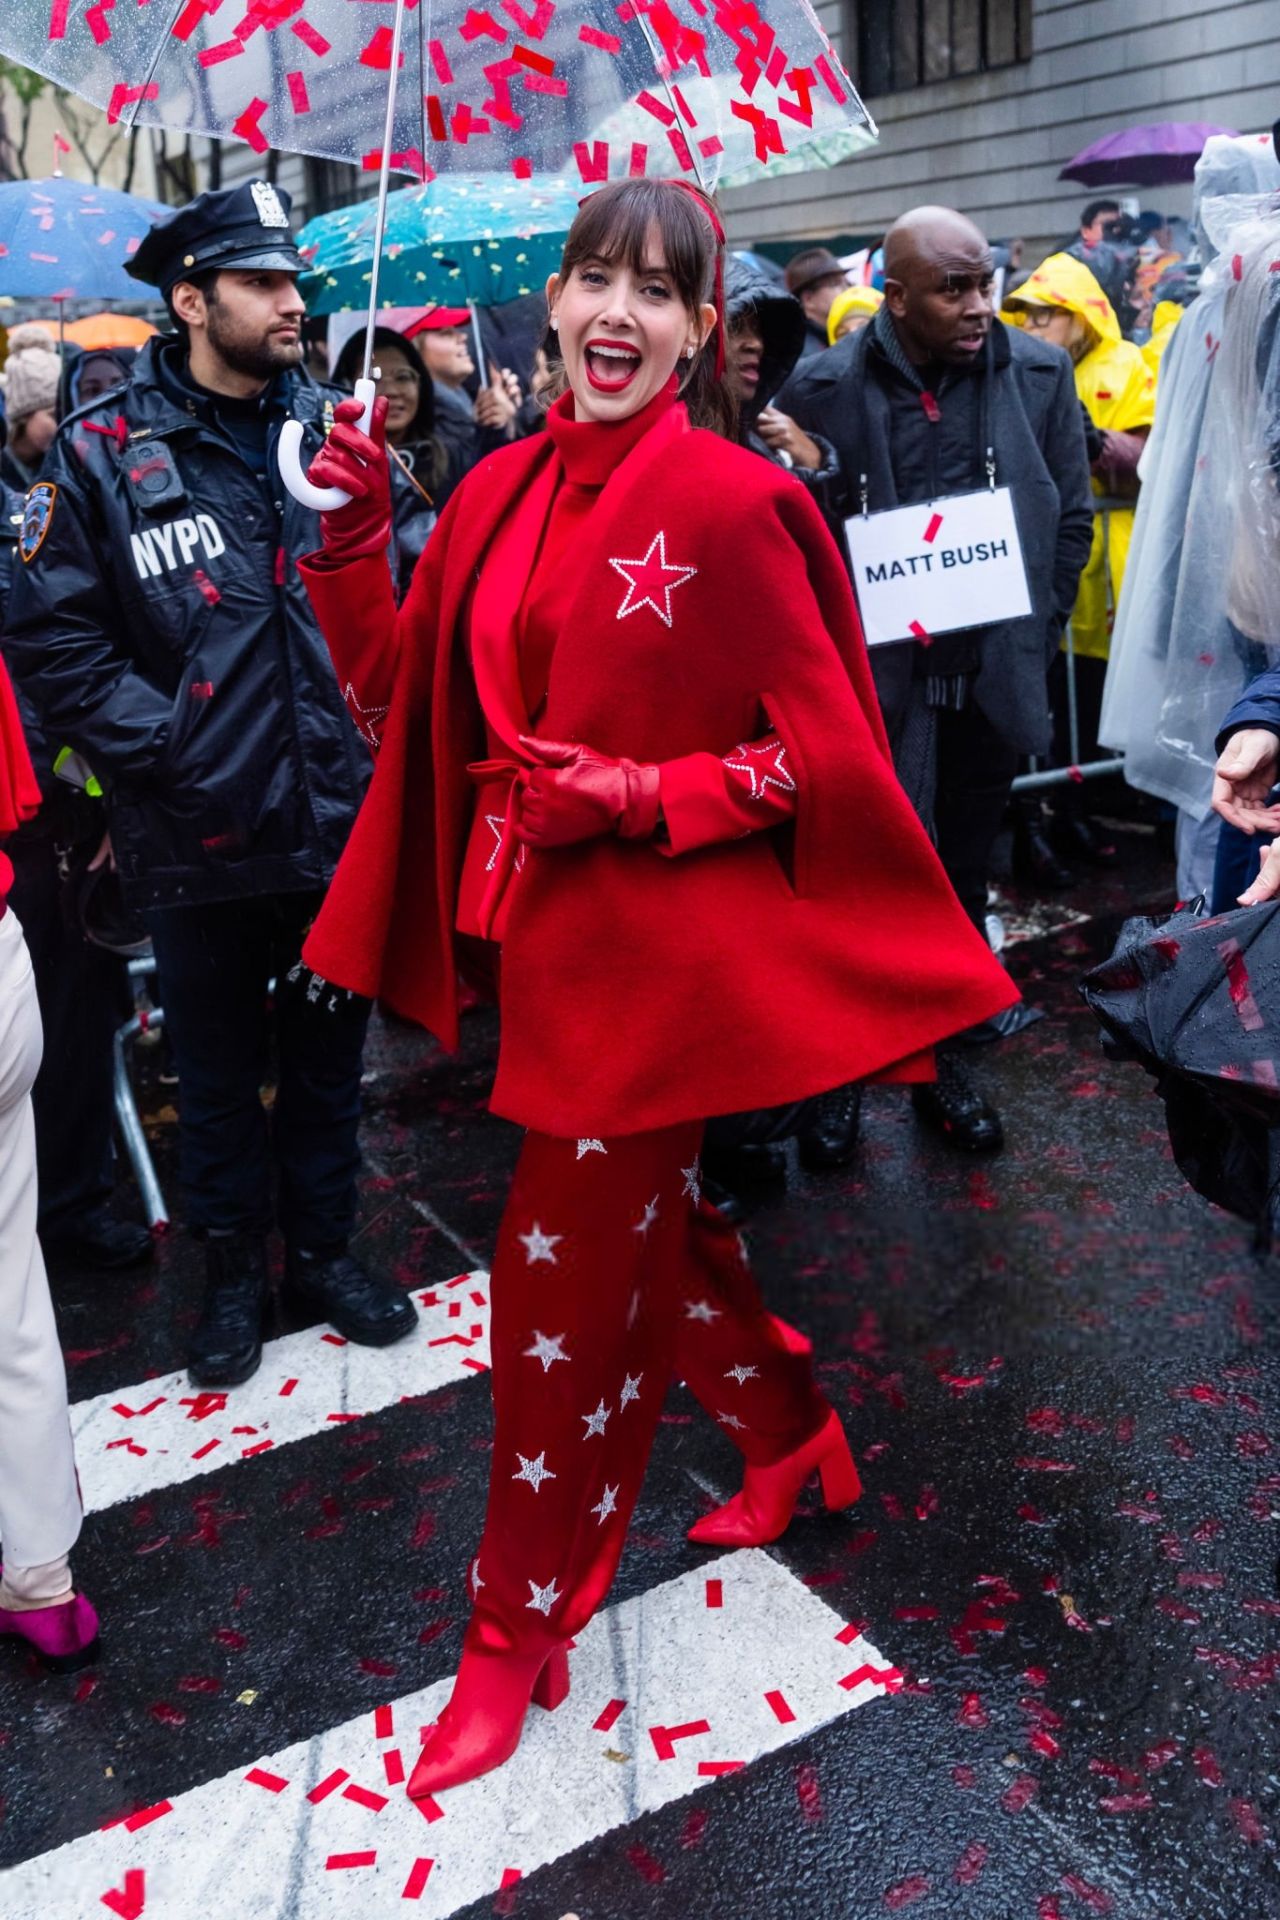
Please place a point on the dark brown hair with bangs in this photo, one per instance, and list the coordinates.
(615, 224)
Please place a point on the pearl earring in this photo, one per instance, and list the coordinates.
(555, 324)
(688, 353)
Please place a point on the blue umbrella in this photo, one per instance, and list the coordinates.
(63, 240)
(462, 240)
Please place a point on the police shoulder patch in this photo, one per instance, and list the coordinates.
(37, 517)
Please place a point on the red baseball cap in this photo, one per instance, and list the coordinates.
(437, 320)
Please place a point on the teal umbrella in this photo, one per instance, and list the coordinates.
(462, 240)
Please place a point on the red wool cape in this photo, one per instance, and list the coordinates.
(640, 991)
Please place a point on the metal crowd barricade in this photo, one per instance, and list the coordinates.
(1039, 778)
(145, 1019)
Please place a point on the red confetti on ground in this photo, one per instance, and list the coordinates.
(1020, 1794)
(330, 1783)
(715, 1593)
(415, 1885)
(129, 1900)
(510, 1875)
(1049, 1907)
(383, 1723)
(808, 1792)
(906, 1893)
(1092, 1897)
(609, 1716)
(429, 1809)
(972, 1712)
(964, 1776)
(1245, 1815)
(650, 1870)
(1207, 1766)
(970, 1864)
(393, 1767)
(711, 1769)
(694, 1827)
(382, 1668)
(338, 1861)
(778, 1704)
(663, 1737)
(247, 1453)
(333, 1339)
(1044, 1743)
(167, 1716)
(145, 1815)
(257, 1777)
(364, 1797)
(887, 1677)
(287, 1389)
(1160, 1755)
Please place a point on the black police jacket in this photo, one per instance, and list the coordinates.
(158, 624)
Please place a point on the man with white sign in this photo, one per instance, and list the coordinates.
(962, 503)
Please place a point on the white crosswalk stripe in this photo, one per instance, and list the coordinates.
(135, 1440)
(671, 1690)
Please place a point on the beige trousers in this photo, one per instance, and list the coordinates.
(40, 1511)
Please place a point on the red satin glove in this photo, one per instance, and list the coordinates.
(357, 462)
(578, 794)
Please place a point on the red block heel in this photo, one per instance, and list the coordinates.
(763, 1510)
(481, 1726)
(551, 1688)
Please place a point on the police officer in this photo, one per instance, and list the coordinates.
(160, 627)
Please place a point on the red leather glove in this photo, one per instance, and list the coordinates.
(357, 462)
(578, 794)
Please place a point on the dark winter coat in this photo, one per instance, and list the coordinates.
(781, 321)
(1258, 706)
(858, 398)
(159, 626)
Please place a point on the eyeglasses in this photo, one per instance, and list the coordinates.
(1039, 318)
(405, 378)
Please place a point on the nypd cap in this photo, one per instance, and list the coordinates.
(241, 227)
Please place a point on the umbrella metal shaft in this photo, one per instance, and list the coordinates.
(384, 181)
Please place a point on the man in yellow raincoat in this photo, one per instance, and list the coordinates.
(1063, 304)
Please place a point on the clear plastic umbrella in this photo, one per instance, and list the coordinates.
(584, 90)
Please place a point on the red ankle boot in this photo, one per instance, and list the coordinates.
(763, 1509)
(481, 1726)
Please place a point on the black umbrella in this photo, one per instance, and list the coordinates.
(1196, 1000)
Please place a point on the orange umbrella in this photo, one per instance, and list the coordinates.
(103, 330)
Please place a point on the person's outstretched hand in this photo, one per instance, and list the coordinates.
(356, 462)
(577, 794)
(1246, 772)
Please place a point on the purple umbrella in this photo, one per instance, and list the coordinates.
(1155, 156)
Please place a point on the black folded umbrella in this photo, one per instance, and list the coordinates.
(1196, 1000)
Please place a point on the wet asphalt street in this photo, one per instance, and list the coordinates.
(1058, 1371)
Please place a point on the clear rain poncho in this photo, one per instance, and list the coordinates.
(1200, 612)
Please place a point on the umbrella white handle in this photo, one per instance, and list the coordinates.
(289, 458)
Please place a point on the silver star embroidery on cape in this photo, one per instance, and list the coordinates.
(496, 822)
(366, 718)
(693, 1181)
(542, 1599)
(651, 581)
(546, 1347)
(539, 1245)
(534, 1471)
(731, 1420)
(630, 1389)
(742, 1373)
(597, 1421)
(701, 1310)
(650, 1215)
(607, 1502)
(591, 1146)
(763, 766)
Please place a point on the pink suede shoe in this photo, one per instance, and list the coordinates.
(65, 1636)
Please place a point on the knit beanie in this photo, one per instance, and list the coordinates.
(31, 373)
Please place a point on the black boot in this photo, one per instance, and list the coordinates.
(1076, 837)
(97, 1240)
(831, 1138)
(734, 1176)
(226, 1347)
(1035, 864)
(330, 1282)
(953, 1106)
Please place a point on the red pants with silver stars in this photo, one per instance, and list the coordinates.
(610, 1276)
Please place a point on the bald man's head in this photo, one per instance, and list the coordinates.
(937, 286)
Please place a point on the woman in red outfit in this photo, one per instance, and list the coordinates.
(625, 726)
